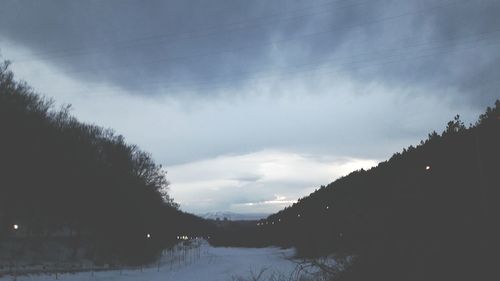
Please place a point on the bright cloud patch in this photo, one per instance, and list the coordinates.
(263, 181)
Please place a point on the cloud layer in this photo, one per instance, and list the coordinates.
(257, 182)
(174, 47)
(216, 89)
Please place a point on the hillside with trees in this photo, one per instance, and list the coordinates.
(427, 213)
(63, 178)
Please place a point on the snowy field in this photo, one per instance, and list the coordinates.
(198, 262)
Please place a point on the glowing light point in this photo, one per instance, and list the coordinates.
(298, 215)
(148, 235)
(327, 207)
(15, 226)
(427, 168)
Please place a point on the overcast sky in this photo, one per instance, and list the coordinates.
(251, 105)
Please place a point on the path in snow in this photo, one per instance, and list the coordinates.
(204, 263)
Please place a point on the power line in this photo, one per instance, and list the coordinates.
(348, 59)
(381, 61)
(216, 30)
(123, 45)
(217, 27)
(300, 37)
(449, 40)
(394, 59)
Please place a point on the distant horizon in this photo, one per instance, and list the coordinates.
(233, 216)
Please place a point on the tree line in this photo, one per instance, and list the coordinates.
(427, 213)
(57, 173)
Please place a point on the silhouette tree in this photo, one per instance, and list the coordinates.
(59, 174)
(428, 213)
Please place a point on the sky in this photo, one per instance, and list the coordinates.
(250, 105)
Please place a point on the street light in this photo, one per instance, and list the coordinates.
(427, 168)
(148, 235)
(15, 226)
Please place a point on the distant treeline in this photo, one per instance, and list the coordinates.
(428, 213)
(57, 173)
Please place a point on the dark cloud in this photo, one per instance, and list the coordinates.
(132, 43)
(203, 46)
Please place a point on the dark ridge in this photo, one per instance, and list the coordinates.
(105, 199)
(427, 213)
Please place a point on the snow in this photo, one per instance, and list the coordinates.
(196, 262)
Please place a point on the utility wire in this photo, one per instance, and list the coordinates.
(205, 54)
(209, 28)
(286, 75)
(144, 40)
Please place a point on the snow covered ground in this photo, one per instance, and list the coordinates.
(199, 262)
